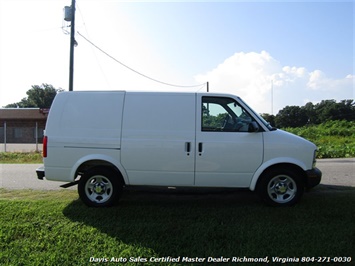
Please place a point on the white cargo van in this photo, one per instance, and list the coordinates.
(107, 140)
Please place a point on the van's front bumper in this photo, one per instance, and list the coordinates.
(314, 177)
(40, 172)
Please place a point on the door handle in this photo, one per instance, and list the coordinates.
(200, 147)
(188, 146)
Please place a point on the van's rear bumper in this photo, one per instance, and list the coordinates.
(314, 177)
(40, 172)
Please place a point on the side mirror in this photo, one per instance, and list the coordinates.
(253, 127)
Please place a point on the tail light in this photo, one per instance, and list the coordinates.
(45, 141)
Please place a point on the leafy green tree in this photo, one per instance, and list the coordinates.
(311, 113)
(326, 110)
(40, 96)
(331, 110)
(291, 116)
(347, 109)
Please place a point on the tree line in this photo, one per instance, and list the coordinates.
(42, 96)
(313, 114)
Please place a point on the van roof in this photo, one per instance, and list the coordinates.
(152, 91)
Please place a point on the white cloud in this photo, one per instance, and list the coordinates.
(248, 75)
(319, 81)
(252, 75)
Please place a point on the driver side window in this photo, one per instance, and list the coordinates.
(224, 114)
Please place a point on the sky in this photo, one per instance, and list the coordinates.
(270, 53)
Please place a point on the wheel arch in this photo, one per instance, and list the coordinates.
(291, 164)
(98, 160)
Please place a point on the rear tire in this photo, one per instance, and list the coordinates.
(281, 187)
(100, 187)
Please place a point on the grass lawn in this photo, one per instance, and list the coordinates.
(21, 157)
(55, 228)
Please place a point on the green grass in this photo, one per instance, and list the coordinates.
(20, 157)
(55, 228)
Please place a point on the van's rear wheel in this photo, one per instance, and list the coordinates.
(280, 187)
(100, 187)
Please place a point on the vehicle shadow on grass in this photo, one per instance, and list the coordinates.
(217, 222)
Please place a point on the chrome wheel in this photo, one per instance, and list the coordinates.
(281, 186)
(282, 189)
(98, 189)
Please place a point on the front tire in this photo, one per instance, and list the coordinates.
(281, 187)
(100, 187)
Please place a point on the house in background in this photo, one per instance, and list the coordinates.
(22, 125)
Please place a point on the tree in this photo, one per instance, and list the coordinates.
(347, 110)
(294, 116)
(311, 113)
(40, 96)
(326, 110)
(331, 110)
(291, 116)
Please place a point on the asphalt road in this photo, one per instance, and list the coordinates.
(336, 172)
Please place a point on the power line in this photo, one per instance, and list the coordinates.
(137, 72)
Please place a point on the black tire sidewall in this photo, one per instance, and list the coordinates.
(262, 186)
(111, 176)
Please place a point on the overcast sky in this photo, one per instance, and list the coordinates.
(304, 51)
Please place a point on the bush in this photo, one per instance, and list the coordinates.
(334, 139)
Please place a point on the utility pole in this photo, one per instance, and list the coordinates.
(72, 44)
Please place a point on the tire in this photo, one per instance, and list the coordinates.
(281, 187)
(100, 187)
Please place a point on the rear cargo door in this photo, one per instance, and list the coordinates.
(158, 138)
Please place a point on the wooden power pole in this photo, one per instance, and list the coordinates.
(72, 44)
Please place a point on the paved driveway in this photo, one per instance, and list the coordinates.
(336, 172)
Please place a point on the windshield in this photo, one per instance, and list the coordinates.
(267, 124)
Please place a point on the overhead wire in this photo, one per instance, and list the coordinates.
(137, 72)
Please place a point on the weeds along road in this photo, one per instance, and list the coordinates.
(336, 172)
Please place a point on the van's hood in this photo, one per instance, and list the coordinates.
(289, 136)
(279, 143)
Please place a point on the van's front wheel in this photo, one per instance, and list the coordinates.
(280, 187)
(99, 187)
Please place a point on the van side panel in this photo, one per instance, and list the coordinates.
(79, 124)
(158, 138)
